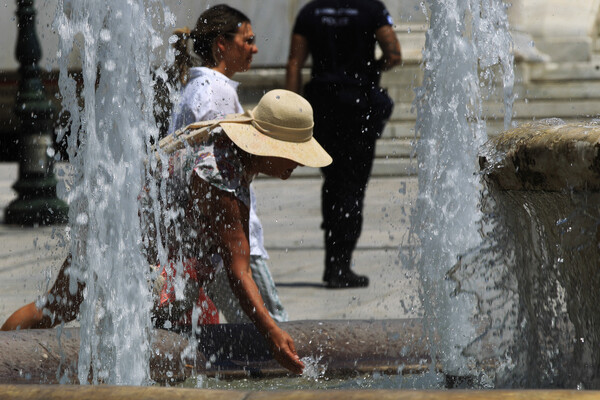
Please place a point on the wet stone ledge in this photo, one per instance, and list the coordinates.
(547, 155)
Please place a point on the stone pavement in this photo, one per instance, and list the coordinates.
(30, 257)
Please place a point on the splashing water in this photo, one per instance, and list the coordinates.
(110, 136)
(312, 368)
(466, 39)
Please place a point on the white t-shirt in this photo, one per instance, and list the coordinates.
(207, 95)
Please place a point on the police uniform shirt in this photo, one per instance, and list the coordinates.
(341, 39)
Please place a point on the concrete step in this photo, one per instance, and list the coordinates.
(399, 130)
(569, 90)
(412, 41)
(541, 104)
(567, 71)
(402, 122)
(403, 116)
(573, 108)
(415, 28)
(394, 148)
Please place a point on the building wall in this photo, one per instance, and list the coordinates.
(555, 27)
(272, 21)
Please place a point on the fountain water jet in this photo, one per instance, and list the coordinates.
(110, 136)
(465, 40)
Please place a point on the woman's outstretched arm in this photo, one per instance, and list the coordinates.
(230, 220)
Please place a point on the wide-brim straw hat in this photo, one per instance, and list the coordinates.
(281, 125)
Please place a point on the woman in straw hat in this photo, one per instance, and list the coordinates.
(217, 160)
(224, 41)
(210, 167)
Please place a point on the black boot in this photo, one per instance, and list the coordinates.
(347, 279)
(337, 267)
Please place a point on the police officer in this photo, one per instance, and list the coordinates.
(350, 111)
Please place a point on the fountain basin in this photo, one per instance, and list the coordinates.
(541, 204)
(343, 347)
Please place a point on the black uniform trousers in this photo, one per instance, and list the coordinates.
(348, 121)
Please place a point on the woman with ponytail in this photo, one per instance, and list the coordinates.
(223, 43)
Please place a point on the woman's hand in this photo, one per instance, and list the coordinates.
(284, 351)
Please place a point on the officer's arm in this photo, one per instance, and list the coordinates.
(390, 46)
(297, 58)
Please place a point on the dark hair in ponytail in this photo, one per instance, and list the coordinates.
(183, 60)
(216, 21)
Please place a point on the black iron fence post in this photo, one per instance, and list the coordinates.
(37, 202)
